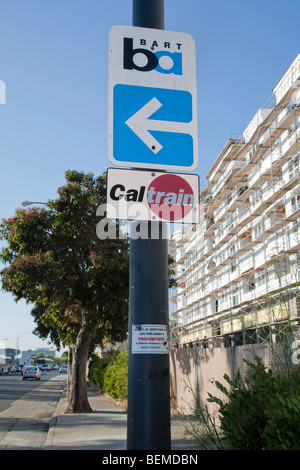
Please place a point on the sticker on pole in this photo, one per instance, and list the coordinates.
(150, 339)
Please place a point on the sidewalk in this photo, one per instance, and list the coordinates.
(105, 429)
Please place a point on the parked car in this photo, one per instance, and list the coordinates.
(63, 368)
(44, 367)
(31, 372)
(12, 369)
(18, 369)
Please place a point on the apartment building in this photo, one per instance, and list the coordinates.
(238, 270)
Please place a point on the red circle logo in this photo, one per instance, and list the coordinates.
(170, 197)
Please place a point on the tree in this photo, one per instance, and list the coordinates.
(77, 283)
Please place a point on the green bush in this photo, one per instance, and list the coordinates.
(261, 412)
(115, 377)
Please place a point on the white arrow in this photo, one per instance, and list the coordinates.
(140, 124)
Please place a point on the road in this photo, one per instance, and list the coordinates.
(26, 408)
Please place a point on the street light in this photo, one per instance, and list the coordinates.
(18, 351)
(29, 203)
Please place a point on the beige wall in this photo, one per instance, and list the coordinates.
(207, 365)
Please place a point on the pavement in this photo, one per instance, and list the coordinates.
(104, 429)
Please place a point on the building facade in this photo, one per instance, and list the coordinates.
(30, 353)
(238, 270)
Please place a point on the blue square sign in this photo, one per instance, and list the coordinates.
(151, 125)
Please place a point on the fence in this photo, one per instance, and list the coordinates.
(193, 371)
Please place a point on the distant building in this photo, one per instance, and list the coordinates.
(30, 353)
(238, 271)
(9, 351)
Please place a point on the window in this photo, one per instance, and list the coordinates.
(230, 222)
(232, 250)
(229, 197)
(261, 278)
(255, 198)
(263, 334)
(294, 126)
(211, 265)
(250, 336)
(238, 339)
(233, 265)
(204, 309)
(242, 189)
(224, 297)
(235, 296)
(290, 107)
(221, 230)
(295, 203)
(258, 231)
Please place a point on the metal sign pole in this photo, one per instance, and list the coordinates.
(148, 413)
(148, 14)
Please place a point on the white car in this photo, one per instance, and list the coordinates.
(31, 372)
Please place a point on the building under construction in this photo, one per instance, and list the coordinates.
(238, 270)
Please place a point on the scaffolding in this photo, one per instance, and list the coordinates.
(238, 271)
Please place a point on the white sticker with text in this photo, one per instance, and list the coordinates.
(150, 339)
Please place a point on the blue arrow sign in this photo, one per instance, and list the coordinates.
(152, 126)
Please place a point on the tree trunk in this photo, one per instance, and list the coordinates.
(78, 400)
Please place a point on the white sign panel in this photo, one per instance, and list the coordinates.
(152, 195)
(152, 119)
(150, 339)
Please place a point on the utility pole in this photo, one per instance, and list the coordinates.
(148, 421)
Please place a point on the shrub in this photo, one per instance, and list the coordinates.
(115, 377)
(97, 368)
(261, 412)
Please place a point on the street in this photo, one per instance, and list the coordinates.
(26, 408)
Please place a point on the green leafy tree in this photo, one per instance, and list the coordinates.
(77, 282)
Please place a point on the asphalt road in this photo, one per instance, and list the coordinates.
(26, 408)
(12, 387)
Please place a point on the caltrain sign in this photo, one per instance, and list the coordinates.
(151, 195)
(152, 118)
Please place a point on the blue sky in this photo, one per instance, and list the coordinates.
(54, 62)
